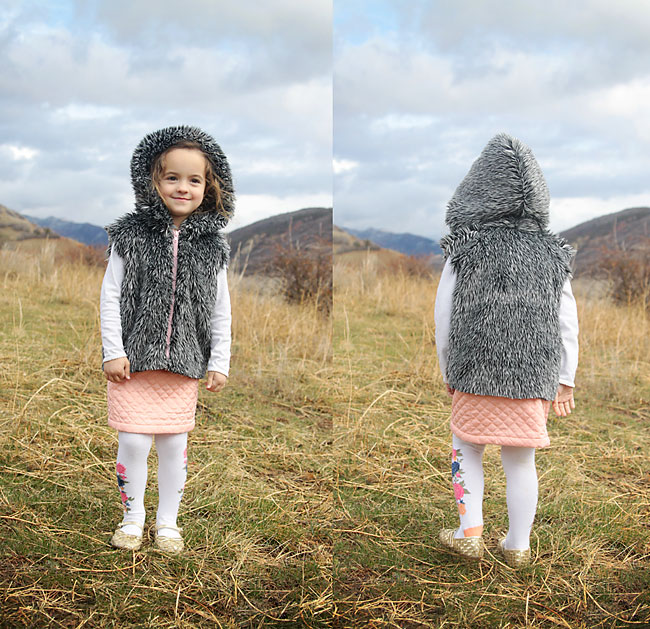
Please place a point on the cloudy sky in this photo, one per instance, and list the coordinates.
(421, 86)
(83, 81)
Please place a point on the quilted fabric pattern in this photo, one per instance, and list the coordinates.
(153, 402)
(499, 420)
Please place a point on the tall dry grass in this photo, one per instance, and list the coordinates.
(614, 347)
(256, 509)
(591, 539)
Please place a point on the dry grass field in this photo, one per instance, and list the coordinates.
(257, 507)
(591, 540)
(257, 511)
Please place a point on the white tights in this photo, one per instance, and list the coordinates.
(132, 452)
(521, 490)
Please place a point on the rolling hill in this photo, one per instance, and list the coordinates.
(625, 230)
(15, 227)
(19, 233)
(345, 242)
(254, 246)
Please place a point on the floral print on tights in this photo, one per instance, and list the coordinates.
(122, 483)
(459, 484)
(182, 489)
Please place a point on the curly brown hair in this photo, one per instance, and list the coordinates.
(214, 193)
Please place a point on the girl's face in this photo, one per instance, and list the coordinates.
(182, 184)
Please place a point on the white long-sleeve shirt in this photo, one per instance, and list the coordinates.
(111, 324)
(568, 325)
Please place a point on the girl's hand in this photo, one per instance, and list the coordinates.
(216, 381)
(117, 369)
(563, 402)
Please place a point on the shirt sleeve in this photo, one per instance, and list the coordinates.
(569, 335)
(442, 315)
(220, 324)
(109, 308)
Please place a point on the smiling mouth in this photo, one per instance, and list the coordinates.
(181, 199)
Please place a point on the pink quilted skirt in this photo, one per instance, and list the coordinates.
(500, 420)
(153, 402)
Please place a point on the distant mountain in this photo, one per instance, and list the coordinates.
(344, 242)
(254, 246)
(626, 230)
(20, 233)
(15, 227)
(410, 244)
(83, 232)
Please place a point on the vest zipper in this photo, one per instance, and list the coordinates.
(171, 308)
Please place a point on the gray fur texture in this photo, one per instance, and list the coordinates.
(504, 336)
(504, 185)
(144, 239)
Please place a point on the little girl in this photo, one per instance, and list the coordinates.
(165, 317)
(506, 336)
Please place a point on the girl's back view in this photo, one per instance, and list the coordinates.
(506, 334)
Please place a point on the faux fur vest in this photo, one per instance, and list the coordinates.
(162, 286)
(504, 336)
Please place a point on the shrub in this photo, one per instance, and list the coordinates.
(629, 273)
(85, 254)
(412, 266)
(305, 274)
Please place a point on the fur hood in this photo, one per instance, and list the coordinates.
(148, 204)
(505, 186)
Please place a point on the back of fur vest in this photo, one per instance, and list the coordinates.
(504, 336)
(144, 239)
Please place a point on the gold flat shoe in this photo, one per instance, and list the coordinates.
(172, 545)
(126, 541)
(514, 558)
(471, 547)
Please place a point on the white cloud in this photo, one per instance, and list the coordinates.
(400, 122)
(566, 212)
(627, 101)
(19, 153)
(83, 82)
(75, 111)
(417, 99)
(344, 165)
